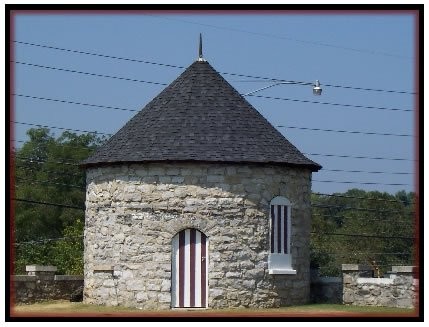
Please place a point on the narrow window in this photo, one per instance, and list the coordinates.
(279, 258)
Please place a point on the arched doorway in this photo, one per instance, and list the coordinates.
(189, 269)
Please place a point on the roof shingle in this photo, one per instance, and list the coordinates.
(199, 117)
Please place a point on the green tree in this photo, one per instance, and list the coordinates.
(46, 170)
(362, 227)
(68, 252)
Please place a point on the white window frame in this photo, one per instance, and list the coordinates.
(280, 263)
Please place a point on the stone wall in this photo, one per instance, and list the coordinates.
(41, 283)
(398, 290)
(134, 211)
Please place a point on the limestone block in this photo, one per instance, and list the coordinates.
(141, 296)
(164, 297)
(135, 285)
(177, 179)
(215, 178)
(156, 171)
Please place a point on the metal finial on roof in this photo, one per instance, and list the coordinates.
(200, 50)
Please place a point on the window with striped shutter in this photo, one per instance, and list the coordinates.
(279, 258)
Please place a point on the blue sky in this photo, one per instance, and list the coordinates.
(360, 50)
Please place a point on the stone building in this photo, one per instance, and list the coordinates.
(198, 201)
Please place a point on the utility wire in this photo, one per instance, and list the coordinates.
(83, 208)
(320, 194)
(328, 206)
(357, 157)
(360, 183)
(279, 126)
(311, 154)
(61, 128)
(46, 240)
(373, 52)
(365, 236)
(59, 145)
(61, 173)
(87, 73)
(330, 103)
(97, 54)
(72, 102)
(366, 172)
(323, 169)
(359, 197)
(182, 67)
(344, 131)
(50, 183)
(251, 95)
(376, 253)
(29, 159)
(403, 222)
(48, 203)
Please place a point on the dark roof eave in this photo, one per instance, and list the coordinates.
(312, 167)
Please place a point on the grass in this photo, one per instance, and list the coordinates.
(65, 309)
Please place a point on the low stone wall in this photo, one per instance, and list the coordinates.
(41, 283)
(398, 290)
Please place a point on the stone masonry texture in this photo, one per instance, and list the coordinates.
(133, 212)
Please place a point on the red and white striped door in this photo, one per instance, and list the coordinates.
(189, 269)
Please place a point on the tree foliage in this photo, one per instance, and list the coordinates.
(46, 170)
(362, 227)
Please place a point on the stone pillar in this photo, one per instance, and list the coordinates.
(41, 272)
(408, 271)
(406, 285)
(351, 272)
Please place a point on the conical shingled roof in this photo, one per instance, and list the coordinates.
(199, 117)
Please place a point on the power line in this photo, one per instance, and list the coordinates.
(46, 240)
(323, 169)
(48, 203)
(365, 236)
(98, 54)
(279, 126)
(367, 172)
(311, 154)
(29, 159)
(182, 67)
(376, 253)
(329, 103)
(72, 102)
(373, 52)
(343, 131)
(319, 154)
(61, 128)
(359, 197)
(404, 222)
(357, 157)
(50, 183)
(59, 145)
(252, 95)
(87, 73)
(62, 173)
(328, 206)
(78, 175)
(360, 183)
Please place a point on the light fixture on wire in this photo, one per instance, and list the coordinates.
(317, 90)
